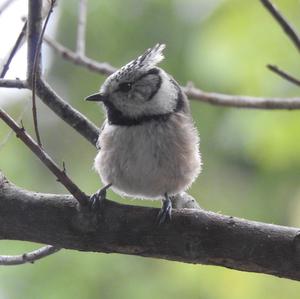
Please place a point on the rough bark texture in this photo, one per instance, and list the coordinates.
(193, 236)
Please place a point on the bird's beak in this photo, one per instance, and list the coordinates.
(97, 97)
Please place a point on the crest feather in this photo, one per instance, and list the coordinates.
(149, 59)
(152, 56)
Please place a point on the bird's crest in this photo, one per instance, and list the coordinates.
(149, 59)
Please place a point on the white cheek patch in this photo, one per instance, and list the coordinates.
(165, 99)
(163, 102)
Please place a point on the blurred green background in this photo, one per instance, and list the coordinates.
(251, 157)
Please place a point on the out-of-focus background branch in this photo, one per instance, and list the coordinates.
(251, 157)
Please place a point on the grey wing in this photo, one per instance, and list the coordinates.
(98, 145)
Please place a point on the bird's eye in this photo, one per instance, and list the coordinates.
(126, 86)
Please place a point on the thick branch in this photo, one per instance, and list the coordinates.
(193, 236)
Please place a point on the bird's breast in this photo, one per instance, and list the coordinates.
(149, 159)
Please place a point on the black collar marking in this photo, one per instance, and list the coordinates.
(115, 116)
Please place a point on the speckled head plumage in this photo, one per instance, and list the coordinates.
(139, 90)
(143, 63)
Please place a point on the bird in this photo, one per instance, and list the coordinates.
(148, 144)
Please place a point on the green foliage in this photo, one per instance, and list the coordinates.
(251, 158)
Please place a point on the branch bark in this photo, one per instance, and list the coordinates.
(241, 101)
(29, 257)
(193, 236)
(34, 31)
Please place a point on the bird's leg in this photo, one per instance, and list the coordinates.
(96, 199)
(165, 212)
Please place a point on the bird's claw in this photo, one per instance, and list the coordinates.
(96, 200)
(165, 212)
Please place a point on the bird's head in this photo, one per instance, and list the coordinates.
(139, 89)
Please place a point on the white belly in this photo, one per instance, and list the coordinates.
(149, 160)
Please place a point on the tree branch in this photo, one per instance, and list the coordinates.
(60, 107)
(30, 257)
(82, 11)
(103, 68)
(284, 24)
(239, 101)
(67, 113)
(5, 5)
(275, 69)
(36, 72)
(61, 175)
(10, 133)
(19, 42)
(212, 98)
(21, 84)
(193, 236)
(34, 31)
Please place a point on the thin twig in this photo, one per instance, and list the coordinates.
(30, 257)
(33, 64)
(19, 42)
(5, 5)
(283, 74)
(81, 27)
(192, 92)
(92, 65)
(45, 158)
(9, 134)
(287, 28)
(240, 101)
(36, 65)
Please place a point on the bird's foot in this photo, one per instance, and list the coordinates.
(96, 200)
(165, 212)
